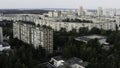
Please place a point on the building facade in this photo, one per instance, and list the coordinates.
(99, 11)
(76, 25)
(1, 35)
(80, 11)
(37, 36)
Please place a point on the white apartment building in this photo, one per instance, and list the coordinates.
(50, 14)
(90, 12)
(37, 36)
(109, 12)
(23, 17)
(99, 11)
(76, 25)
(80, 11)
(54, 14)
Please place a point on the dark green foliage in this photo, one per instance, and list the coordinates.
(7, 26)
(27, 22)
(83, 31)
(77, 20)
(95, 31)
(91, 51)
(22, 55)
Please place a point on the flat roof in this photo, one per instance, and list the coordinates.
(4, 48)
(87, 38)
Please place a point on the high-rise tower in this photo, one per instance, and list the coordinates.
(80, 11)
(99, 11)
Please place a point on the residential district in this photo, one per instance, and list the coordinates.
(69, 38)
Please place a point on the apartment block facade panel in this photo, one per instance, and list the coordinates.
(1, 34)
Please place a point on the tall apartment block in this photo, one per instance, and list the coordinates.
(31, 34)
(80, 11)
(1, 35)
(99, 11)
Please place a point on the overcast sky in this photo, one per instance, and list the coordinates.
(90, 4)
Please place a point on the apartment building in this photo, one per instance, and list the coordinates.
(1, 35)
(99, 11)
(31, 34)
(57, 25)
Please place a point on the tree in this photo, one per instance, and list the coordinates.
(70, 51)
(116, 27)
(83, 31)
(95, 31)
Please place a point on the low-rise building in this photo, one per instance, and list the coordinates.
(4, 48)
(59, 62)
(101, 39)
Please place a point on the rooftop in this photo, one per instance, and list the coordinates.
(4, 48)
(87, 38)
(69, 62)
(101, 39)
